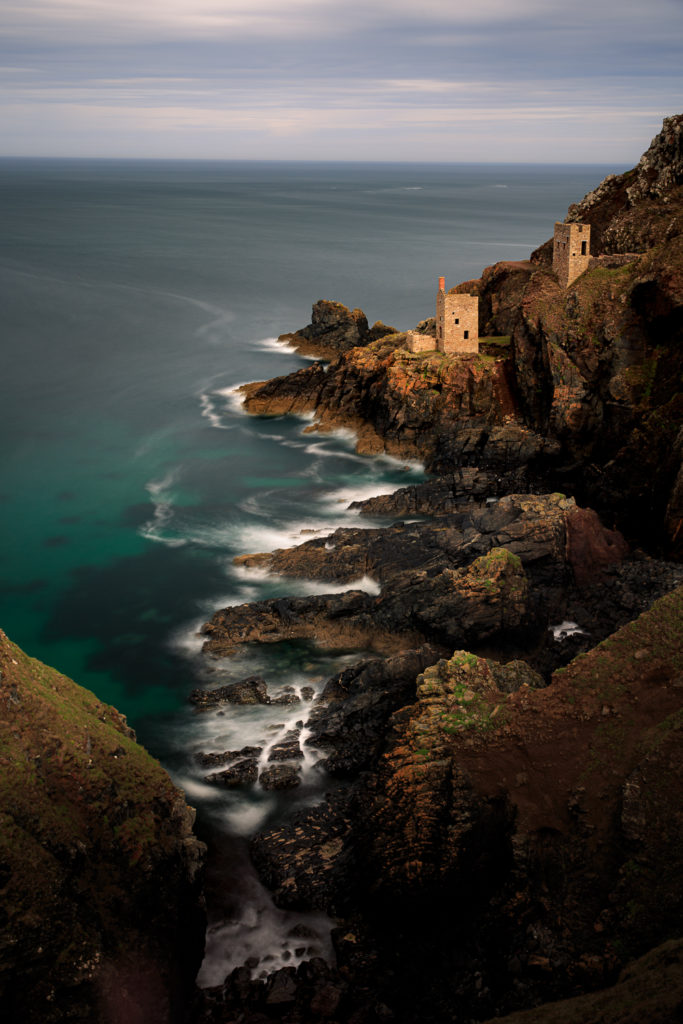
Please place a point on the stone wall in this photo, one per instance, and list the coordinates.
(571, 251)
(416, 342)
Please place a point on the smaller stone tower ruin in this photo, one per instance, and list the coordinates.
(571, 251)
(457, 322)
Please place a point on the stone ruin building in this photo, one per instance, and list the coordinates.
(457, 325)
(571, 251)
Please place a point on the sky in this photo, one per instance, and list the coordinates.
(580, 81)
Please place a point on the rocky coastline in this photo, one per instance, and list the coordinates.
(502, 828)
(501, 832)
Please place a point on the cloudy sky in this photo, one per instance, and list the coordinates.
(443, 80)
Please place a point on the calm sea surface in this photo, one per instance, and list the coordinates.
(135, 297)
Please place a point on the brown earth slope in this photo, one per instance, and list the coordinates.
(101, 918)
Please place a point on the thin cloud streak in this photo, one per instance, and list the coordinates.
(345, 80)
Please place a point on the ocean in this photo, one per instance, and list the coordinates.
(136, 296)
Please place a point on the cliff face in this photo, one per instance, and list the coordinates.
(99, 869)
(507, 842)
(442, 409)
(578, 389)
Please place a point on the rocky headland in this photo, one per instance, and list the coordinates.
(575, 389)
(501, 833)
(502, 828)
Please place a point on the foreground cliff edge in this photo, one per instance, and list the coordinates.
(101, 913)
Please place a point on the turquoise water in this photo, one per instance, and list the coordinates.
(135, 294)
(135, 297)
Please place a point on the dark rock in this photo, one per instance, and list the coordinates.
(350, 723)
(211, 759)
(286, 698)
(335, 329)
(281, 776)
(286, 749)
(248, 691)
(241, 773)
(281, 987)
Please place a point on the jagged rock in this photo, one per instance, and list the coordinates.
(281, 776)
(212, 759)
(486, 599)
(335, 329)
(530, 526)
(299, 861)
(253, 690)
(350, 722)
(287, 749)
(241, 773)
(539, 822)
(287, 696)
(444, 494)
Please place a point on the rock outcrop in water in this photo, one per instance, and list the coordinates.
(334, 329)
(578, 390)
(102, 918)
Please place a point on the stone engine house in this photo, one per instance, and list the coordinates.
(571, 251)
(457, 325)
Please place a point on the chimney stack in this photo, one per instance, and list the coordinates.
(442, 284)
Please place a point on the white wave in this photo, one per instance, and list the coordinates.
(263, 933)
(188, 641)
(196, 790)
(156, 488)
(245, 818)
(272, 345)
(567, 628)
(209, 412)
(232, 396)
(158, 527)
(315, 587)
(407, 465)
(319, 448)
(253, 538)
(355, 492)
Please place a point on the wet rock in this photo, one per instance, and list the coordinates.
(287, 695)
(281, 987)
(252, 690)
(287, 749)
(307, 862)
(307, 693)
(281, 776)
(209, 760)
(240, 774)
(350, 722)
